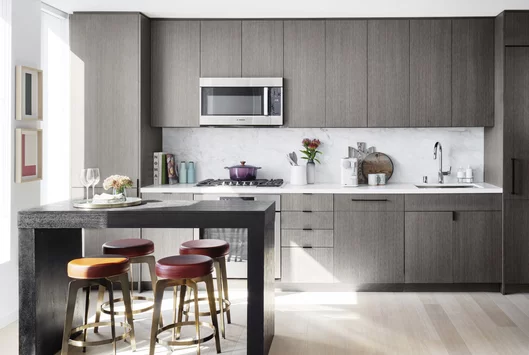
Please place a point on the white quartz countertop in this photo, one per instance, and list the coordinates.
(323, 188)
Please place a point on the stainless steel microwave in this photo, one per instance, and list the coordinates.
(241, 101)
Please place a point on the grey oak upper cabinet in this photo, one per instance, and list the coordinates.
(220, 48)
(430, 73)
(262, 48)
(517, 28)
(346, 73)
(477, 249)
(516, 134)
(110, 85)
(304, 73)
(428, 241)
(388, 75)
(472, 72)
(516, 243)
(175, 63)
(369, 247)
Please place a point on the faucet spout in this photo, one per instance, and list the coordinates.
(439, 148)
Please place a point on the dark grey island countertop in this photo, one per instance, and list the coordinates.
(51, 235)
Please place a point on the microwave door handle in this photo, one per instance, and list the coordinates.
(265, 101)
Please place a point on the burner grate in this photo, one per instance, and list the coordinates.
(254, 183)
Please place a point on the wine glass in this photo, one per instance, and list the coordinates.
(86, 177)
(97, 177)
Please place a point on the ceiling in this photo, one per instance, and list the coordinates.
(295, 8)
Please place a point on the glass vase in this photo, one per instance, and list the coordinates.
(121, 190)
(311, 172)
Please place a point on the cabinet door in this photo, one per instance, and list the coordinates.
(472, 72)
(428, 241)
(305, 73)
(388, 76)
(517, 28)
(306, 265)
(430, 73)
(262, 48)
(346, 73)
(175, 73)
(516, 108)
(166, 240)
(220, 48)
(477, 247)
(369, 247)
(516, 242)
(105, 50)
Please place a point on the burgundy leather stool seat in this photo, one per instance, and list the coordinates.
(129, 247)
(214, 248)
(98, 267)
(184, 267)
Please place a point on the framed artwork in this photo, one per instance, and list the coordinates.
(28, 155)
(28, 94)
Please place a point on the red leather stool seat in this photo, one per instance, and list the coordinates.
(129, 247)
(214, 248)
(97, 267)
(184, 267)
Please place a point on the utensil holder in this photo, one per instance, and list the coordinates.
(298, 175)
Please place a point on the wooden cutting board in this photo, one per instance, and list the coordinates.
(377, 163)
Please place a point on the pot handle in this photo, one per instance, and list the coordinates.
(226, 167)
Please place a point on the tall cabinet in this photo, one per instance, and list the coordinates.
(111, 104)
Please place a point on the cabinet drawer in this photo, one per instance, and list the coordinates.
(453, 202)
(368, 203)
(307, 238)
(307, 202)
(304, 220)
(166, 196)
(307, 265)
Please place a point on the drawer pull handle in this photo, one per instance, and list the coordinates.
(513, 182)
(307, 247)
(307, 211)
(307, 229)
(360, 200)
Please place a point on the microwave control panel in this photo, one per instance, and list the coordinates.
(275, 101)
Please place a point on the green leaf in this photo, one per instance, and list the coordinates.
(304, 158)
(318, 152)
(317, 160)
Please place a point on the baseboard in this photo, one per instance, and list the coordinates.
(341, 287)
(8, 319)
(515, 288)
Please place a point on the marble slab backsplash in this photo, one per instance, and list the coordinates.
(411, 150)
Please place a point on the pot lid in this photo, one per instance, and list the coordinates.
(243, 165)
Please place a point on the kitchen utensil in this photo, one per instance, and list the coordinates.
(381, 179)
(376, 163)
(290, 161)
(294, 157)
(371, 150)
(97, 177)
(87, 178)
(243, 172)
(349, 172)
(373, 179)
(298, 175)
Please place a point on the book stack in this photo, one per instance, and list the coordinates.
(164, 170)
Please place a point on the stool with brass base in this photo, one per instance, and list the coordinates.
(103, 271)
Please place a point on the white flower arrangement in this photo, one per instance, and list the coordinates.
(118, 182)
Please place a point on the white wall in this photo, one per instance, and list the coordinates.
(411, 149)
(25, 51)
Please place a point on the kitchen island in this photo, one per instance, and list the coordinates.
(51, 235)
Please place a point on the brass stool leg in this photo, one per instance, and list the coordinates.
(86, 307)
(112, 320)
(123, 279)
(158, 297)
(212, 309)
(70, 307)
(222, 262)
(100, 298)
(188, 306)
(194, 286)
(183, 289)
(175, 289)
(151, 262)
(219, 291)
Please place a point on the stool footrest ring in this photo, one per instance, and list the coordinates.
(185, 342)
(75, 332)
(105, 307)
(225, 303)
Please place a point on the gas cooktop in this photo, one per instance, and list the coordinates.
(255, 183)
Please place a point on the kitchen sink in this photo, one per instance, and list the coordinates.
(448, 186)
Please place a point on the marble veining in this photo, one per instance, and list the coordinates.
(411, 149)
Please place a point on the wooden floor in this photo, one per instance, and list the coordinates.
(366, 323)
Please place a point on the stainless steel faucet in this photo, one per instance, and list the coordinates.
(441, 173)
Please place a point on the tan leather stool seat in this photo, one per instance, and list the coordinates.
(97, 267)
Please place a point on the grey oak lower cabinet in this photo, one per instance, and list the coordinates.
(453, 247)
(306, 265)
(516, 242)
(369, 247)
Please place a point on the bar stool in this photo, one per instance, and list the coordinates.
(184, 271)
(138, 251)
(103, 271)
(216, 249)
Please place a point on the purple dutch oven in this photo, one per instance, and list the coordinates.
(243, 172)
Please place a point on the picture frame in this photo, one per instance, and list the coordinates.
(28, 95)
(28, 149)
